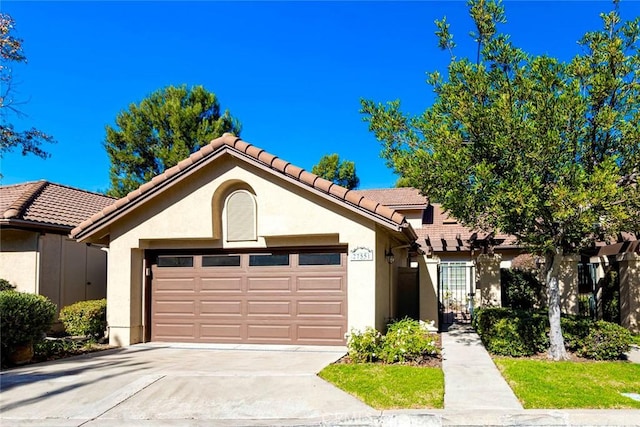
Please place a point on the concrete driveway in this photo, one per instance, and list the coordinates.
(151, 384)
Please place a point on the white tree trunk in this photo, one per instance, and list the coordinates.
(557, 350)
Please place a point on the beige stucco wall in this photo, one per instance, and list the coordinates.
(428, 276)
(53, 265)
(181, 217)
(19, 258)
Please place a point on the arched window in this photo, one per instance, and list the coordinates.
(241, 216)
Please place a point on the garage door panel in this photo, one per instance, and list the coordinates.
(175, 308)
(316, 333)
(269, 308)
(267, 284)
(175, 331)
(175, 285)
(221, 332)
(314, 283)
(221, 308)
(250, 304)
(269, 332)
(221, 284)
(322, 309)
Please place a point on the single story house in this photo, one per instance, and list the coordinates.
(235, 245)
(36, 254)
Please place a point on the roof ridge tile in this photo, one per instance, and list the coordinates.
(18, 207)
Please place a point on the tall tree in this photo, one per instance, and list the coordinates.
(537, 148)
(342, 172)
(163, 129)
(30, 140)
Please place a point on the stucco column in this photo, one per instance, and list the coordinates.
(488, 273)
(568, 284)
(428, 276)
(629, 267)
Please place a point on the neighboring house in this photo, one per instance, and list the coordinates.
(235, 245)
(36, 254)
(450, 251)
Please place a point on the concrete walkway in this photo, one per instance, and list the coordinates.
(471, 379)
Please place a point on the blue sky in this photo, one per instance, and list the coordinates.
(292, 72)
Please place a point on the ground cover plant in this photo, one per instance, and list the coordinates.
(401, 369)
(542, 384)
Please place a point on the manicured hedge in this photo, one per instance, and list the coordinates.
(85, 318)
(24, 318)
(508, 332)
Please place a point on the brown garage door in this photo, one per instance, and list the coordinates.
(276, 298)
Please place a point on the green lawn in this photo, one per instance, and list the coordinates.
(546, 384)
(389, 386)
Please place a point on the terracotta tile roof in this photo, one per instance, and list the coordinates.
(397, 197)
(275, 164)
(446, 233)
(46, 203)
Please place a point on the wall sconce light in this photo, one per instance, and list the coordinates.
(389, 256)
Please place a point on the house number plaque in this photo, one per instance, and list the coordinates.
(361, 254)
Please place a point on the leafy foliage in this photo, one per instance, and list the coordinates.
(85, 318)
(29, 141)
(5, 285)
(24, 318)
(520, 289)
(364, 346)
(341, 172)
(517, 333)
(544, 150)
(406, 341)
(611, 297)
(509, 332)
(165, 128)
(606, 341)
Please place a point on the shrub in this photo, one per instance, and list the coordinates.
(85, 318)
(509, 332)
(5, 285)
(606, 341)
(574, 330)
(407, 341)
(24, 318)
(364, 346)
(521, 289)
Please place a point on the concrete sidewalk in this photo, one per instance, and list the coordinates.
(471, 379)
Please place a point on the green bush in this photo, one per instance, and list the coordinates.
(85, 318)
(508, 332)
(517, 333)
(364, 346)
(407, 341)
(521, 289)
(24, 318)
(606, 341)
(5, 285)
(575, 330)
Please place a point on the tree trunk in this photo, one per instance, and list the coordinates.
(557, 350)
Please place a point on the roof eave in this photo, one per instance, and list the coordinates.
(82, 234)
